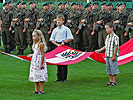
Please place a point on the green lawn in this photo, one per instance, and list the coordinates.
(85, 82)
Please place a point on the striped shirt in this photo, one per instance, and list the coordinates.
(111, 41)
(60, 34)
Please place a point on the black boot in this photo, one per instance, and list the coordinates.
(19, 52)
(22, 52)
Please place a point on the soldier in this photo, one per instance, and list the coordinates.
(110, 7)
(120, 19)
(12, 9)
(24, 5)
(5, 20)
(87, 26)
(103, 17)
(17, 23)
(30, 23)
(129, 27)
(73, 22)
(94, 33)
(67, 10)
(44, 23)
(36, 6)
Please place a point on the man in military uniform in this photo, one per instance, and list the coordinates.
(73, 20)
(30, 23)
(24, 5)
(102, 19)
(129, 27)
(17, 22)
(94, 33)
(120, 19)
(5, 20)
(110, 7)
(87, 26)
(12, 9)
(44, 22)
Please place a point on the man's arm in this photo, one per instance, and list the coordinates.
(99, 50)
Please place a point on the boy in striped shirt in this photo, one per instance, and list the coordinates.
(111, 52)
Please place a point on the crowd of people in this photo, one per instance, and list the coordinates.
(86, 22)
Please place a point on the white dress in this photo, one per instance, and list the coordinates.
(36, 74)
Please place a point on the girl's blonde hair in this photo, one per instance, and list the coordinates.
(41, 39)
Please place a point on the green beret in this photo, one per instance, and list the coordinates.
(66, 2)
(103, 3)
(18, 3)
(79, 3)
(117, 3)
(87, 5)
(36, 2)
(51, 2)
(73, 3)
(24, 2)
(31, 2)
(109, 3)
(96, 2)
(122, 3)
(6, 3)
(45, 4)
(60, 3)
(10, 1)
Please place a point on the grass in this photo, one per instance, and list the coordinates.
(86, 81)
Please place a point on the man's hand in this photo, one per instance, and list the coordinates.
(69, 21)
(97, 51)
(62, 44)
(99, 22)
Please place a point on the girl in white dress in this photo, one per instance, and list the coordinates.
(38, 67)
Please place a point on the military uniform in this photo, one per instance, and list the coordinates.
(19, 35)
(6, 17)
(32, 14)
(87, 29)
(46, 15)
(130, 20)
(119, 28)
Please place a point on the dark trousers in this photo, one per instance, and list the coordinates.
(61, 69)
(61, 72)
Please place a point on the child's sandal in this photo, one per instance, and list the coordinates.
(108, 84)
(41, 92)
(35, 92)
(113, 84)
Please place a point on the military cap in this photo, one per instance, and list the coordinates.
(87, 5)
(6, 3)
(36, 1)
(10, 1)
(79, 3)
(18, 3)
(122, 3)
(66, 2)
(31, 2)
(73, 3)
(24, 2)
(109, 3)
(96, 2)
(45, 4)
(60, 3)
(103, 3)
(117, 3)
(51, 2)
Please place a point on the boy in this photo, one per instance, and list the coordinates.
(112, 52)
(61, 35)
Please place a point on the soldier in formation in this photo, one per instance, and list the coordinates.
(86, 22)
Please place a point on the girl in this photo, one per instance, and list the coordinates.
(38, 67)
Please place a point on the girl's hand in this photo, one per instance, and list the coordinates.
(42, 67)
(30, 55)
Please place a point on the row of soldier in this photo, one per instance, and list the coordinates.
(87, 25)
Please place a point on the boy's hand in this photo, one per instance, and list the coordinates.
(113, 58)
(62, 44)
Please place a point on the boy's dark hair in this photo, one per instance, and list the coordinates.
(61, 16)
(110, 24)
